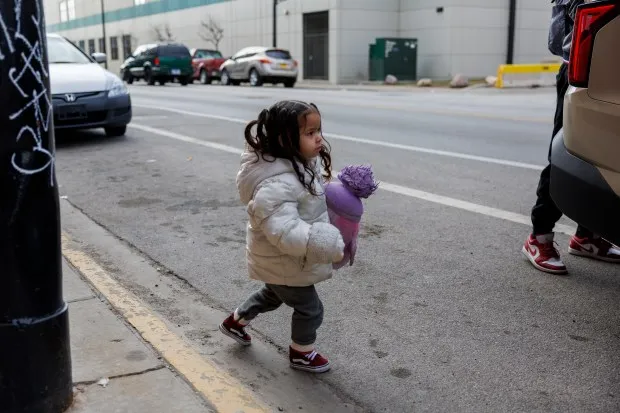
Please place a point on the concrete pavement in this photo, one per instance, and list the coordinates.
(113, 370)
(440, 313)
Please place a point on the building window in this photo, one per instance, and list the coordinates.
(91, 46)
(114, 47)
(83, 45)
(67, 10)
(63, 11)
(102, 45)
(126, 46)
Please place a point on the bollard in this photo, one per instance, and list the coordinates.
(35, 361)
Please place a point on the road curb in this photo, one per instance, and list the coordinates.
(220, 389)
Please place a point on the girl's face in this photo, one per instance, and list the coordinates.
(310, 135)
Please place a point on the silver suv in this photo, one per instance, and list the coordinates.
(259, 65)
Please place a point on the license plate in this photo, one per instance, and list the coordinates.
(71, 112)
(284, 65)
(176, 71)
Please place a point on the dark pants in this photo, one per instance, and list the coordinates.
(545, 213)
(307, 306)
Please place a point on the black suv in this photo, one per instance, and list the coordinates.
(159, 63)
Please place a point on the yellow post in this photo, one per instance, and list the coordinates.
(524, 68)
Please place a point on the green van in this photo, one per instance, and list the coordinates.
(159, 63)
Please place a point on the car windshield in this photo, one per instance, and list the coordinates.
(208, 54)
(173, 51)
(278, 54)
(61, 51)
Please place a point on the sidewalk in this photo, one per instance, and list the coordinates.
(135, 379)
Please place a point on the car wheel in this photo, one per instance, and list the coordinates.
(161, 82)
(289, 83)
(115, 131)
(205, 79)
(184, 81)
(128, 77)
(225, 78)
(255, 79)
(148, 77)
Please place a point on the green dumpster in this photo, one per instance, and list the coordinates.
(393, 56)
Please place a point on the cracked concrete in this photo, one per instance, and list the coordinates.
(103, 346)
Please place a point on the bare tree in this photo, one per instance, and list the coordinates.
(211, 32)
(164, 35)
(169, 33)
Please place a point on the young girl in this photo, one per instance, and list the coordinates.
(290, 243)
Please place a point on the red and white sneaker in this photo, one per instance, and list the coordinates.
(543, 255)
(311, 361)
(595, 247)
(235, 330)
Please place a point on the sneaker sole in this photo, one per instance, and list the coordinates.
(234, 336)
(321, 369)
(541, 268)
(583, 254)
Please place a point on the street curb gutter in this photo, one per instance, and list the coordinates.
(221, 390)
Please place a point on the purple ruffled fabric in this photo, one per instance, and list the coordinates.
(359, 180)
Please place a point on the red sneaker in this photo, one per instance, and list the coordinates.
(543, 255)
(596, 248)
(236, 331)
(311, 361)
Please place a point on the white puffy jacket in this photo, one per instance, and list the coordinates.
(289, 238)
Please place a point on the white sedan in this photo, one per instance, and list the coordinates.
(84, 94)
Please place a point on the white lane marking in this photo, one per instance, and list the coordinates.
(438, 152)
(190, 113)
(469, 206)
(397, 189)
(185, 138)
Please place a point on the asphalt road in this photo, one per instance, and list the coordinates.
(440, 312)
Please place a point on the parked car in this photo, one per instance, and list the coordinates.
(258, 65)
(164, 62)
(85, 95)
(206, 64)
(585, 155)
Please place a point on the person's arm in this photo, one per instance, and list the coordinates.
(274, 207)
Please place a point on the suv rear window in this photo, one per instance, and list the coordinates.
(279, 54)
(173, 51)
(208, 54)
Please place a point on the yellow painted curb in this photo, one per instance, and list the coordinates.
(224, 392)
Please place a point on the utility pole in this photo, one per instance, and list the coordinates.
(105, 42)
(35, 361)
(275, 23)
(512, 17)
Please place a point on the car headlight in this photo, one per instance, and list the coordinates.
(116, 87)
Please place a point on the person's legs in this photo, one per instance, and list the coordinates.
(262, 301)
(545, 213)
(539, 247)
(307, 314)
(307, 318)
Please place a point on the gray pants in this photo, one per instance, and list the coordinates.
(308, 314)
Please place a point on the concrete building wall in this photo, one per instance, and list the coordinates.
(465, 36)
(420, 19)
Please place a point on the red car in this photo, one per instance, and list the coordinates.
(206, 64)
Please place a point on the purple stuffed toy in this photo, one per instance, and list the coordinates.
(345, 206)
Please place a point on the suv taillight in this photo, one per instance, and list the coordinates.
(590, 18)
(156, 61)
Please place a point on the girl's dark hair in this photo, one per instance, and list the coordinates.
(277, 136)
